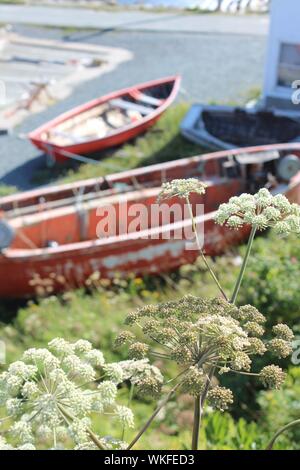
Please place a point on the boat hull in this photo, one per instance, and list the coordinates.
(25, 277)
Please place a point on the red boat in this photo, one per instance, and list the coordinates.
(107, 121)
(61, 245)
(58, 246)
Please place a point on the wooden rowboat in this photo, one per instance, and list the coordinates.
(59, 247)
(224, 127)
(107, 121)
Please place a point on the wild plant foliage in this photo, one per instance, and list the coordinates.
(211, 337)
(52, 397)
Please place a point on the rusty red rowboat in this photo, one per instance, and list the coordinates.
(107, 121)
(59, 248)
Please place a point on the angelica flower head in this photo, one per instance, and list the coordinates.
(194, 382)
(146, 377)
(272, 376)
(50, 395)
(282, 331)
(125, 416)
(181, 188)
(220, 398)
(202, 335)
(262, 210)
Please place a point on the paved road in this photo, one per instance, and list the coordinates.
(135, 20)
(214, 68)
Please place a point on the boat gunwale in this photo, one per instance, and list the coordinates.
(130, 194)
(136, 172)
(56, 212)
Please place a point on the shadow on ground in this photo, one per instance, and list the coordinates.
(21, 176)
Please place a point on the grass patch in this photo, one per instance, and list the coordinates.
(13, 2)
(253, 94)
(97, 314)
(6, 190)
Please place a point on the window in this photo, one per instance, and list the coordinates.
(289, 65)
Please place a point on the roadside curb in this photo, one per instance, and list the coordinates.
(171, 22)
(107, 59)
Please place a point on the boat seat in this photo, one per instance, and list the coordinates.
(257, 157)
(66, 135)
(138, 95)
(128, 106)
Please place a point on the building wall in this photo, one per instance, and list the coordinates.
(284, 28)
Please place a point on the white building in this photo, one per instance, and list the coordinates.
(283, 55)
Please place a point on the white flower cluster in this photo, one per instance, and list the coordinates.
(4, 445)
(146, 377)
(181, 188)
(135, 371)
(262, 210)
(225, 327)
(50, 395)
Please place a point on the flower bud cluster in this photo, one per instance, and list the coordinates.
(181, 188)
(202, 335)
(262, 210)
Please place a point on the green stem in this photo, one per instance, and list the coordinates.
(90, 433)
(160, 407)
(243, 267)
(214, 277)
(282, 430)
(128, 405)
(95, 439)
(197, 422)
(198, 410)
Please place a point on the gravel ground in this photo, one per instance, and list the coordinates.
(214, 68)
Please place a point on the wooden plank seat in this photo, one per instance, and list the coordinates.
(129, 106)
(147, 99)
